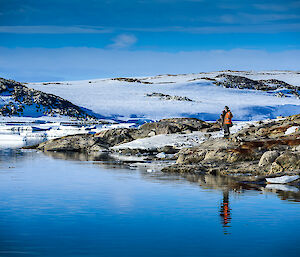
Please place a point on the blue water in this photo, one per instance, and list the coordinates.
(50, 206)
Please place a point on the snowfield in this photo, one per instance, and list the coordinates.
(177, 140)
(125, 101)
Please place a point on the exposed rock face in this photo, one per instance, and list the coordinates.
(170, 97)
(277, 84)
(132, 80)
(23, 97)
(232, 81)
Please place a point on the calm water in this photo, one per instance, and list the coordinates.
(61, 206)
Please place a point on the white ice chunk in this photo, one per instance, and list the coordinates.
(282, 179)
(291, 130)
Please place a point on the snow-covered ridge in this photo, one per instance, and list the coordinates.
(126, 98)
(18, 100)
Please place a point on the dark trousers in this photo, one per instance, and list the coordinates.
(226, 130)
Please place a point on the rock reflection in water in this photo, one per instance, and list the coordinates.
(207, 181)
(48, 204)
(103, 159)
(78, 156)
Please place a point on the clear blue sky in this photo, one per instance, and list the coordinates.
(131, 30)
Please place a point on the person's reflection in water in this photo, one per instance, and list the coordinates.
(225, 212)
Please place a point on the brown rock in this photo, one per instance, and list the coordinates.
(276, 168)
(116, 136)
(289, 161)
(267, 158)
(74, 143)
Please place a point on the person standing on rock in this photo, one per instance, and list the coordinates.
(226, 118)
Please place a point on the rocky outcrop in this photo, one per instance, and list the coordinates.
(166, 126)
(75, 143)
(170, 97)
(232, 81)
(117, 136)
(277, 84)
(288, 161)
(113, 137)
(240, 82)
(24, 99)
(252, 153)
(132, 80)
(177, 125)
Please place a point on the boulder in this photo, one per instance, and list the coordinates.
(289, 161)
(276, 168)
(267, 158)
(116, 136)
(191, 155)
(74, 143)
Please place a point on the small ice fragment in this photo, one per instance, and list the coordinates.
(161, 155)
(282, 179)
(150, 170)
(291, 130)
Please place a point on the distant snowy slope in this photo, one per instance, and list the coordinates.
(18, 100)
(127, 98)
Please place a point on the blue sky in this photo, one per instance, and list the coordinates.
(135, 30)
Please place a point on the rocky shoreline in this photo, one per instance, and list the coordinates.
(264, 149)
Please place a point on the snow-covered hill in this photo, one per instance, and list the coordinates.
(18, 100)
(186, 95)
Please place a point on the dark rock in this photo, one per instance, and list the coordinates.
(168, 149)
(170, 97)
(132, 80)
(274, 83)
(232, 81)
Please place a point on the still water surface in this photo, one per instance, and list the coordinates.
(59, 206)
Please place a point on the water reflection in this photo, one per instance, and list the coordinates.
(225, 211)
(53, 203)
(206, 181)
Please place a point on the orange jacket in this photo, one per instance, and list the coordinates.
(228, 117)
